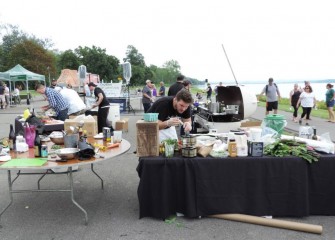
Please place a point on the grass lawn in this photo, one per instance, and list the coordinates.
(320, 113)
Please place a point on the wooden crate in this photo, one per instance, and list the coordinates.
(147, 138)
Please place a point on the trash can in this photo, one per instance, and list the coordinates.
(275, 121)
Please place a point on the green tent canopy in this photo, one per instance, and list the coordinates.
(19, 73)
(4, 76)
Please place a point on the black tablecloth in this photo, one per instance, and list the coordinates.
(257, 186)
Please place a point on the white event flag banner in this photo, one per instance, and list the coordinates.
(111, 89)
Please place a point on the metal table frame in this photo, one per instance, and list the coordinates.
(125, 146)
(70, 177)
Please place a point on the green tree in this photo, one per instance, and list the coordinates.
(97, 61)
(134, 57)
(68, 60)
(32, 56)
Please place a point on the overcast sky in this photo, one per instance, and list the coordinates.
(286, 40)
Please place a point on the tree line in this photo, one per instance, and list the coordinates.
(38, 55)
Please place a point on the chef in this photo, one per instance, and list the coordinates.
(173, 111)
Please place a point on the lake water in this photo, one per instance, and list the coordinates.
(319, 89)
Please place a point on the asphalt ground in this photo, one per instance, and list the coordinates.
(114, 211)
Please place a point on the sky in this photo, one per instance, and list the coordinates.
(285, 40)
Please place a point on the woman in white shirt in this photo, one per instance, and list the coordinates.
(307, 101)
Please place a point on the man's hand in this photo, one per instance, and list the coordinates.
(174, 122)
(187, 126)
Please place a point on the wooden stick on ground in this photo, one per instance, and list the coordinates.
(303, 227)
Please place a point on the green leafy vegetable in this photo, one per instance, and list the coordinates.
(283, 148)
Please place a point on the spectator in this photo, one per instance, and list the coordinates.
(307, 100)
(177, 86)
(6, 94)
(198, 96)
(161, 89)
(187, 85)
(154, 90)
(147, 96)
(294, 97)
(2, 96)
(16, 95)
(53, 83)
(209, 92)
(56, 101)
(330, 96)
(272, 96)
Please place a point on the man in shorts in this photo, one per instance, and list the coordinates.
(272, 96)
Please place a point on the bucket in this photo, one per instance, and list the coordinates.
(114, 113)
(276, 122)
(71, 141)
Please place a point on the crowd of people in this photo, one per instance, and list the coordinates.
(299, 97)
(6, 96)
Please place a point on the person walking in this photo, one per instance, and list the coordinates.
(103, 106)
(330, 96)
(56, 101)
(177, 86)
(209, 92)
(147, 96)
(272, 96)
(307, 100)
(294, 97)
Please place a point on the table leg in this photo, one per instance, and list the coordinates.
(10, 192)
(72, 196)
(17, 175)
(38, 182)
(102, 181)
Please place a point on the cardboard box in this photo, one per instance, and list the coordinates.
(95, 117)
(147, 138)
(251, 124)
(122, 124)
(90, 125)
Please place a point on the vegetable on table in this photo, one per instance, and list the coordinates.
(283, 148)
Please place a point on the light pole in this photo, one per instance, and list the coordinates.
(48, 68)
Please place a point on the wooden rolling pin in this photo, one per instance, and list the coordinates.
(303, 227)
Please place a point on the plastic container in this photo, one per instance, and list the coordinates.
(150, 117)
(276, 122)
(232, 148)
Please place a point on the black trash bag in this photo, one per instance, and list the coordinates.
(33, 120)
(86, 150)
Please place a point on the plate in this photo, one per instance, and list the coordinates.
(99, 136)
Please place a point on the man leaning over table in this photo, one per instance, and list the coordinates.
(173, 111)
(56, 101)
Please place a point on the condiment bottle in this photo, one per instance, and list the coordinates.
(314, 137)
(37, 144)
(232, 149)
(12, 138)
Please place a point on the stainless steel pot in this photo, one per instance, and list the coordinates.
(189, 152)
(189, 140)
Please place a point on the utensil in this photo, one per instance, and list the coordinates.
(66, 153)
